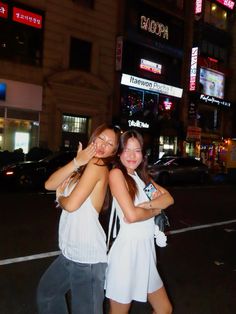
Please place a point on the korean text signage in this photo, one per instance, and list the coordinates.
(133, 81)
(227, 3)
(3, 10)
(149, 25)
(193, 69)
(27, 17)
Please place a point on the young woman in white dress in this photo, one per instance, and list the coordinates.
(132, 273)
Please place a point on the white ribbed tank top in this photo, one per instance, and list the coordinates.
(81, 236)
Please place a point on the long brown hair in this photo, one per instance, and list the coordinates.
(141, 169)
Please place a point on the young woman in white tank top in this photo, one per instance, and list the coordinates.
(81, 187)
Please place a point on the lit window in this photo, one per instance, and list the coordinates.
(74, 124)
(215, 15)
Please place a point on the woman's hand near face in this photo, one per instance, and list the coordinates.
(85, 155)
(82, 158)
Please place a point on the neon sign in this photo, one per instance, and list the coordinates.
(27, 17)
(193, 69)
(150, 66)
(154, 27)
(227, 3)
(168, 104)
(198, 6)
(3, 10)
(214, 101)
(138, 124)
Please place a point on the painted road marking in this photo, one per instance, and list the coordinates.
(55, 253)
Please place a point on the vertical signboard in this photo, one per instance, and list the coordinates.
(198, 6)
(3, 10)
(193, 69)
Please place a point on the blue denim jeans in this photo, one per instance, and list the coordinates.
(85, 281)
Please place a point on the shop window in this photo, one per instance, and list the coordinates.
(19, 129)
(138, 103)
(215, 15)
(20, 134)
(80, 54)
(167, 146)
(74, 124)
(22, 42)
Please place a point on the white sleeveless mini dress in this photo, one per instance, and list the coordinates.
(132, 272)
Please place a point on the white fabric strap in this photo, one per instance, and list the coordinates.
(112, 217)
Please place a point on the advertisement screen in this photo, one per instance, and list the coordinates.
(212, 83)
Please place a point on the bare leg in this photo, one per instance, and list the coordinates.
(119, 308)
(160, 302)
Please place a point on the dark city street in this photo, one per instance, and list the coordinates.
(92, 92)
(198, 266)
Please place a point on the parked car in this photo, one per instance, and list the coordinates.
(31, 174)
(173, 169)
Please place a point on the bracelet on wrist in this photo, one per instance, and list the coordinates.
(76, 165)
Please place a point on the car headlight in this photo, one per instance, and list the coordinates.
(9, 172)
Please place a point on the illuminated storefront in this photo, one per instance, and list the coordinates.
(150, 75)
(19, 115)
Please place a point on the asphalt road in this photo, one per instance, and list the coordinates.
(198, 266)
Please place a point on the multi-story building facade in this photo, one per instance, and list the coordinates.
(175, 74)
(164, 67)
(211, 103)
(149, 73)
(56, 71)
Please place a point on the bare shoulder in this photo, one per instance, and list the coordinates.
(97, 167)
(115, 173)
(116, 176)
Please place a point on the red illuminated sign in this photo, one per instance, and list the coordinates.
(27, 17)
(150, 66)
(227, 3)
(3, 10)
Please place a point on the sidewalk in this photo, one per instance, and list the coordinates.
(199, 276)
